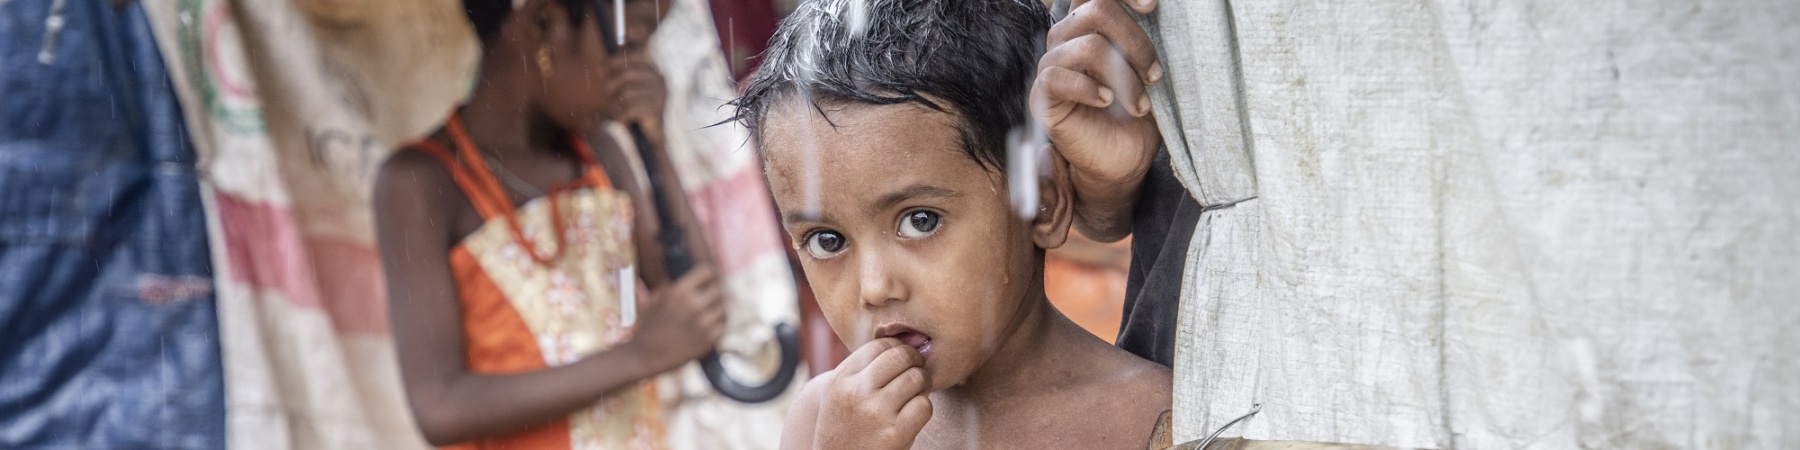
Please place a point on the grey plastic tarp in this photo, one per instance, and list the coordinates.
(1475, 224)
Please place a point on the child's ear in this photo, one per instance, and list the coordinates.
(1056, 205)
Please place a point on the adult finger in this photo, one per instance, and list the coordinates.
(1096, 57)
(1142, 6)
(1108, 18)
(1060, 84)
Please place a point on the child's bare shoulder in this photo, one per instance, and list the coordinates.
(1146, 384)
(1125, 398)
(411, 172)
(803, 412)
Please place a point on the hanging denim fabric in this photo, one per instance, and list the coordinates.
(108, 332)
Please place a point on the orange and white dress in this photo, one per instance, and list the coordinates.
(543, 285)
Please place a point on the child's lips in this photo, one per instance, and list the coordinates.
(918, 341)
(914, 338)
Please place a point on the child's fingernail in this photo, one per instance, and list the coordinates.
(1156, 71)
(1144, 104)
(1106, 96)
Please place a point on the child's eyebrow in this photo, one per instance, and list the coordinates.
(801, 216)
(908, 193)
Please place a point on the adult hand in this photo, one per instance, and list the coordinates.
(1090, 95)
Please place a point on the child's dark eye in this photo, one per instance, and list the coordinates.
(918, 224)
(824, 244)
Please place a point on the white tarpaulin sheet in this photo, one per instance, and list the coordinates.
(1480, 224)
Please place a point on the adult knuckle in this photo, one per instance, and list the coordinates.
(1066, 29)
(1091, 44)
(1082, 14)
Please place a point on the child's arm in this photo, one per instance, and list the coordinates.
(641, 98)
(876, 399)
(453, 405)
(1090, 94)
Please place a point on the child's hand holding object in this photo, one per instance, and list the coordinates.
(681, 322)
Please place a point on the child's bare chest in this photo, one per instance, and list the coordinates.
(1086, 428)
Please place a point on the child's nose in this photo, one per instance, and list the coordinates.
(876, 284)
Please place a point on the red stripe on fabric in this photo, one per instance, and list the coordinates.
(738, 217)
(265, 250)
(354, 287)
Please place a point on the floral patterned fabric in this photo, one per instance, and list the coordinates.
(521, 313)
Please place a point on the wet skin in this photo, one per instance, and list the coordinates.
(919, 264)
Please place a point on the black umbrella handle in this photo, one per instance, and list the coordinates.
(677, 261)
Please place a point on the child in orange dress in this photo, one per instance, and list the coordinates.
(514, 246)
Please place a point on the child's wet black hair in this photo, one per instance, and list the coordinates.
(487, 15)
(977, 56)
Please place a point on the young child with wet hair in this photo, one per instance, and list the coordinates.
(883, 125)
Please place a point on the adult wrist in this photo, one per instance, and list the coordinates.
(1123, 182)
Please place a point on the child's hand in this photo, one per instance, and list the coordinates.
(876, 399)
(638, 92)
(683, 321)
(1090, 95)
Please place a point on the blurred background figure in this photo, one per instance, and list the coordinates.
(518, 247)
